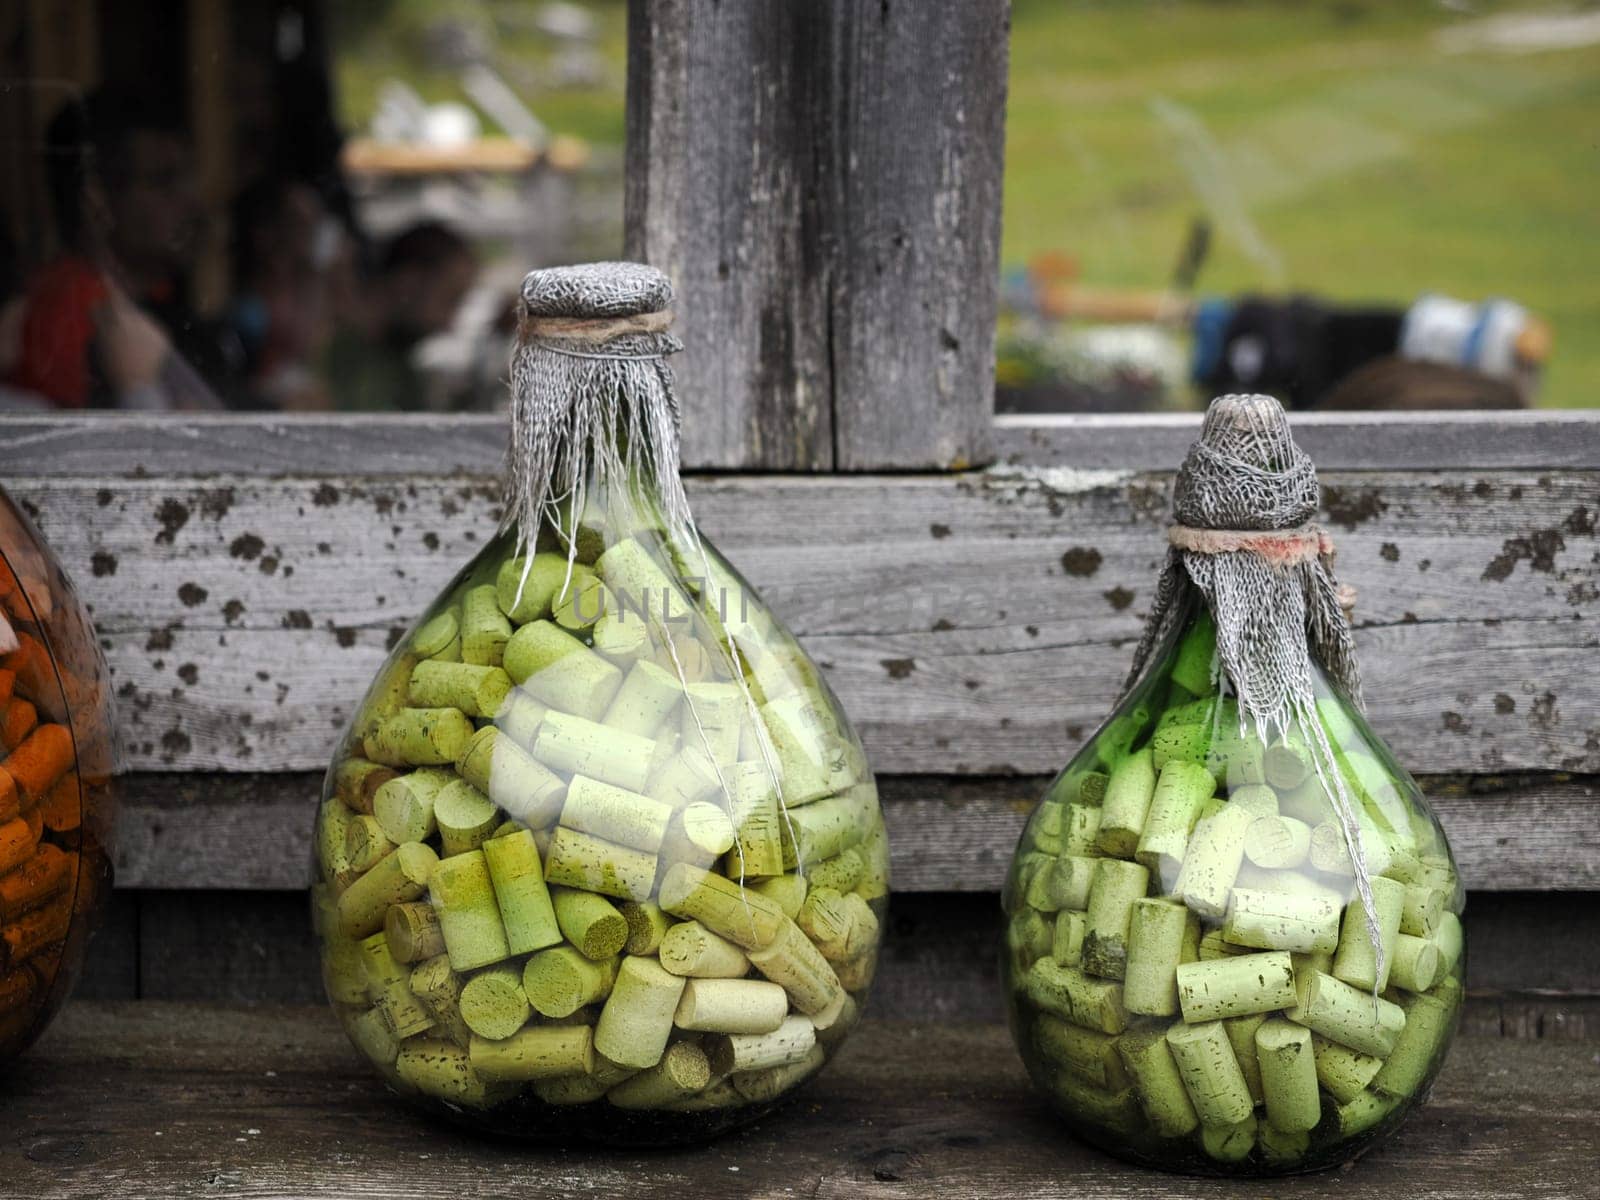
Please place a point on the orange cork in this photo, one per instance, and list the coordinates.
(62, 808)
(16, 723)
(10, 801)
(8, 684)
(31, 884)
(31, 933)
(31, 663)
(42, 758)
(17, 842)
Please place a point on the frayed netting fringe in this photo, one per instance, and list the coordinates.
(1274, 612)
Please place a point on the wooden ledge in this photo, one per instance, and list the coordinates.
(156, 1100)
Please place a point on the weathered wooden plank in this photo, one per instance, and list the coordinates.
(118, 445)
(1544, 439)
(974, 624)
(822, 181)
(182, 830)
(915, 251)
(724, 106)
(271, 1102)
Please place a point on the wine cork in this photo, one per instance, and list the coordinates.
(1277, 842)
(1329, 853)
(647, 925)
(1181, 789)
(436, 633)
(1356, 961)
(1281, 1147)
(583, 601)
(743, 1006)
(699, 834)
(465, 817)
(835, 1021)
(1241, 1033)
(1079, 829)
(828, 922)
(1211, 862)
(1267, 920)
(577, 746)
(811, 758)
(791, 1042)
(356, 782)
(1066, 942)
(1229, 1143)
(1429, 1022)
(841, 872)
(1073, 996)
(1127, 802)
(388, 986)
(371, 1035)
(788, 892)
(1086, 787)
(647, 697)
(557, 669)
(444, 1071)
(469, 915)
(687, 658)
(1089, 1055)
(36, 931)
(396, 878)
(1450, 941)
(1288, 1075)
(538, 1052)
(578, 860)
(591, 923)
(1287, 764)
(1422, 908)
(760, 1086)
(1156, 933)
(493, 1004)
(519, 718)
(637, 1018)
(1415, 964)
(689, 948)
(526, 587)
(333, 825)
(1259, 801)
(1105, 942)
(615, 814)
(403, 805)
(525, 788)
(478, 691)
(1372, 783)
(682, 1072)
(686, 777)
(561, 980)
(792, 962)
(413, 931)
(1364, 1112)
(1194, 666)
(644, 586)
(1150, 1063)
(711, 719)
(622, 638)
(36, 882)
(874, 882)
(1347, 1015)
(344, 972)
(856, 975)
(1343, 1073)
(420, 737)
(744, 917)
(484, 628)
(1180, 743)
(1210, 990)
(1210, 1072)
(758, 848)
(527, 912)
(364, 844)
(1212, 945)
(827, 828)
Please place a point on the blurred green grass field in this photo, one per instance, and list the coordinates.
(1341, 147)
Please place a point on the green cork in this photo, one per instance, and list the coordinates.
(591, 923)
(469, 915)
(493, 1004)
(526, 910)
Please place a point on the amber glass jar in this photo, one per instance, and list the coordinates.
(56, 800)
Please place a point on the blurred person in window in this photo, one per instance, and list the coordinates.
(291, 259)
(423, 275)
(106, 323)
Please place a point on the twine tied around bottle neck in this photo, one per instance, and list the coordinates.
(1244, 543)
(592, 399)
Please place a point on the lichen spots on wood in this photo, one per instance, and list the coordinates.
(172, 516)
(1081, 561)
(1538, 549)
(246, 546)
(103, 563)
(899, 668)
(1352, 506)
(192, 595)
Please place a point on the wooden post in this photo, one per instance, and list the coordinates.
(822, 181)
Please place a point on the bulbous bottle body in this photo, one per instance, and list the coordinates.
(1188, 966)
(600, 858)
(57, 806)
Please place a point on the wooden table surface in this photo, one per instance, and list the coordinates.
(148, 1100)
